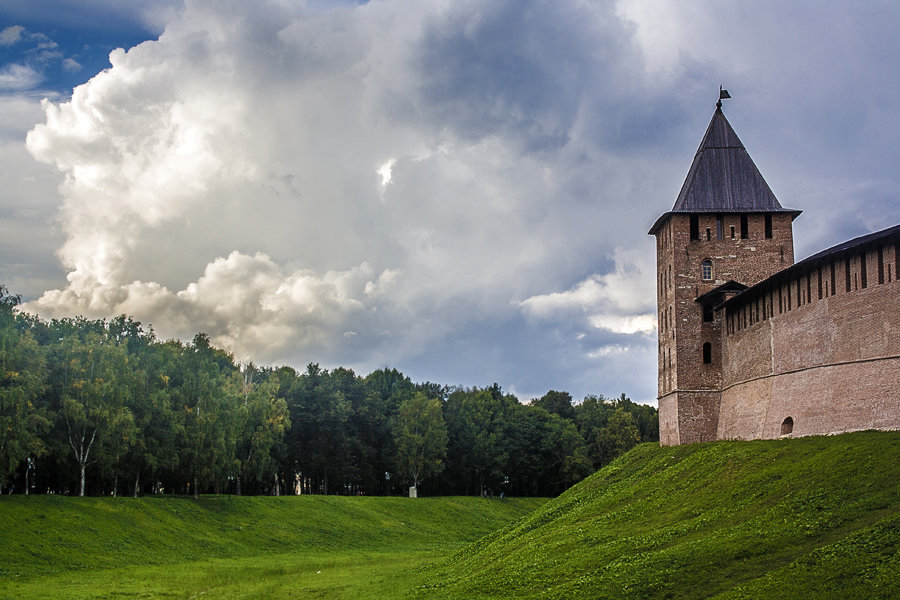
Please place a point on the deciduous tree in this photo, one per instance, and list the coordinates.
(421, 438)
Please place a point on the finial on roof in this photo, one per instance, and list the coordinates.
(723, 95)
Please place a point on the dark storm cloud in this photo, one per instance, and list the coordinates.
(458, 189)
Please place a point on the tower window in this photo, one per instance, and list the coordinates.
(706, 270)
(768, 226)
(707, 353)
(847, 273)
(833, 281)
(863, 276)
(695, 227)
(744, 228)
(732, 232)
(880, 264)
(720, 227)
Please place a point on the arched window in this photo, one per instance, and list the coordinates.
(706, 270)
(787, 426)
(707, 353)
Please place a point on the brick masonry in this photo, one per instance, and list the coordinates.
(816, 346)
(689, 388)
(752, 345)
(830, 364)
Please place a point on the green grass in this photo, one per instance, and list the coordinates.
(232, 547)
(812, 517)
(806, 518)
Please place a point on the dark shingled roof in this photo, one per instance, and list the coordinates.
(729, 287)
(723, 178)
(889, 235)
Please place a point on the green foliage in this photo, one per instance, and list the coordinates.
(421, 438)
(815, 517)
(263, 420)
(558, 403)
(612, 427)
(93, 400)
(22, 382)
(102, 407)
(478, 440)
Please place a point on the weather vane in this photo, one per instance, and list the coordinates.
(723, 95)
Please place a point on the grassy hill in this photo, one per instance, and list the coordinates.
(54, 546)
(812, 517)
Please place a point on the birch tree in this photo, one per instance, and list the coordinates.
(93, 401)
(421, 438)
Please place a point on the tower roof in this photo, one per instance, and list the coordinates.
(723, 178)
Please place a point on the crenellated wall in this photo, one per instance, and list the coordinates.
(820, 346)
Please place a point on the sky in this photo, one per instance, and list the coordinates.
(457, 189)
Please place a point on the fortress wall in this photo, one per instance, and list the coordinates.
(742, 414)
(747, 354)
(831, 364)
(836, 399)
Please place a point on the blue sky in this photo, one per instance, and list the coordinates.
(461, 190)
(66, 43)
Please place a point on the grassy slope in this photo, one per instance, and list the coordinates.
(47, 535)
(812, 517)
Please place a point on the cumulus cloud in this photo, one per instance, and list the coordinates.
(436, 186)
(277, 133)
(248, 303)
(621, 301)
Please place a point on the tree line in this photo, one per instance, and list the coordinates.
(96, 407)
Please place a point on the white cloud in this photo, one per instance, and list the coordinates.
(16, 77)
(247, 303)
(622, 301)
(11, 35)
(384, 171)
(70, 64)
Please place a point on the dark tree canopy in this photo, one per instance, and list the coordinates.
(104, 407)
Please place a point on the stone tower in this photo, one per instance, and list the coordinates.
(726, 232)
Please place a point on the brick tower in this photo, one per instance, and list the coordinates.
(725, 233)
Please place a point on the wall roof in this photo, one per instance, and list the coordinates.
(855, 245)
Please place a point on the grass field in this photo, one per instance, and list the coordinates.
(806, 518)
(231, 547)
